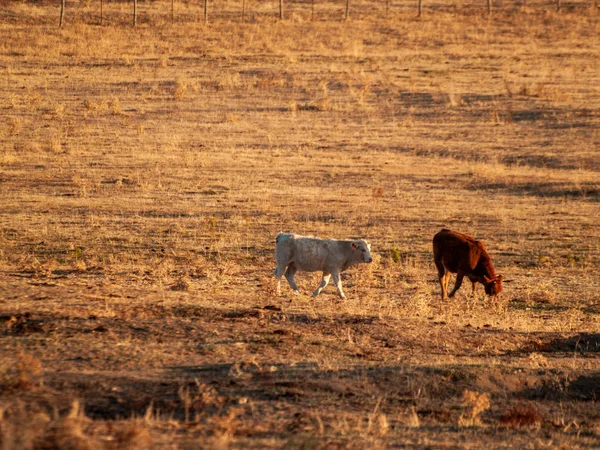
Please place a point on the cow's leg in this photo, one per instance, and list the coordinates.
(279, 270)
(443, 276)
(289, 274)
(474, 288)
(338, 284)
(324, 281)
(445, 280)
(459, 279)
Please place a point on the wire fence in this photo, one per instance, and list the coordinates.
(134, 12)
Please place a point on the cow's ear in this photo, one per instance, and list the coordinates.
(499, 278)
(354, 246)
(487, 280)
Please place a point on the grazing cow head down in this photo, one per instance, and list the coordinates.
(365, 250)
(493, 286)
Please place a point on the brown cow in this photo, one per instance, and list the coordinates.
(461, 254)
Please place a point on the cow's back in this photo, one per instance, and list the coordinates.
(457, 250)
(310, 253)
(297, 242)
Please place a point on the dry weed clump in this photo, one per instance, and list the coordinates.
(9, 158)
(522, 415)
(56, 143)
(226, 424)
(538, 360)
(27, 430)
(31, 429)
(114, 106)
(181, 89)
(21, 429)
(15, 125)
(182, 284)
(475, 403)
(131, 435)
(23, 373)
(69, 432)
(198, 399)
(411, 419)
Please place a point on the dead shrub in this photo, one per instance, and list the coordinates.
(475, 404)
(182, 284)
(181, 89)
(114, 105)
(411, 419)
(68, 432)
(132, 436)
(522, 415)
(19, 428)
(24, 374)
(27, 428)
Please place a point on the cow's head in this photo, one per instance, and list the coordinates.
(364, 248)
(493, 286)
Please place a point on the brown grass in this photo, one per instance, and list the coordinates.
(144, 174)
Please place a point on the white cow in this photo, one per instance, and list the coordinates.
(312, 254)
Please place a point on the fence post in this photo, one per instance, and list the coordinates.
(557, 5)
(205, 11)
(172, 8)
(134, 13)
(489, 7)
(243, 10)
(347, 9)
(280, 9)
(62, 12)
(418, 8)
(312, 9)
(101, 12)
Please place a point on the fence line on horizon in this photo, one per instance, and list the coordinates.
(307, 9)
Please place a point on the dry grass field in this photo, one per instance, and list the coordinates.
(144, 175)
